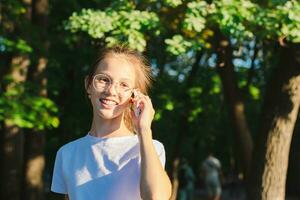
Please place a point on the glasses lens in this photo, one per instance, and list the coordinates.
(124, 92)
(102, 82)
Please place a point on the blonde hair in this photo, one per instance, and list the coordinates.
(143, 75)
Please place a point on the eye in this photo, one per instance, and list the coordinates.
(103, 79)
(124, 85)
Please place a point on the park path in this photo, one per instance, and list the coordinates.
(232, 195)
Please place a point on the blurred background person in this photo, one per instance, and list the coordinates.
(212, 175)
(186, 178)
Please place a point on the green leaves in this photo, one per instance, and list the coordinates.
(27, 111)
(254, 92)
(177, 45)
(195, 16)
(238, 19)
(194, 92)
(19, 45)
(235, 18)
(94, 23)
(283, 21)
(173, 3)
(115, 26)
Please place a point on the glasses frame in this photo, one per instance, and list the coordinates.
(111, 83)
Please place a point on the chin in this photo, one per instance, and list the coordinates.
(108, 113)
(105, 114)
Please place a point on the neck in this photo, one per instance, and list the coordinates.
(109, 127)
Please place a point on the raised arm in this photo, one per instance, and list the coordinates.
(154, 183)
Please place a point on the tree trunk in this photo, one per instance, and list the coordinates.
(184, 125)
(235, 101)
(12, 138)
(33, 186)
(280, 110)
(12, 157)
(175, 180)
(15, 66)
(34, 165)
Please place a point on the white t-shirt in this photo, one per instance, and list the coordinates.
(211, 165)
(93, 168)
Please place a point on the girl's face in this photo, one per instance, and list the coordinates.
(110, 102)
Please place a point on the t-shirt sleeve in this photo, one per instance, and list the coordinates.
(58, 182)
(159, 147)
(218, 164)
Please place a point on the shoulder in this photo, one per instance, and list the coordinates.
(158, 146)
(71, 146)
(216, 162)
(157, 143)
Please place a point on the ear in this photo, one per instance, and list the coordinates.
(87, 89)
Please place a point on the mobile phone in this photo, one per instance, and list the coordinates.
(136, 109)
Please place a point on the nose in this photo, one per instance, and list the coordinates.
(112, 89)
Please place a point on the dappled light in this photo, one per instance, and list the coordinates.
(224, 103)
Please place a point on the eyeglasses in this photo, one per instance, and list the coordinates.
(102, 82)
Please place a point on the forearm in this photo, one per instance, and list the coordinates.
(154, 183)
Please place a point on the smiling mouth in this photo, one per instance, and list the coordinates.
(108, 102)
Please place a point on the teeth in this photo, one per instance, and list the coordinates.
(108, 102)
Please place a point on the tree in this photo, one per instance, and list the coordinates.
(280, 111)
(34, 144)
(267, 163)
(207, 57)
(21, 107)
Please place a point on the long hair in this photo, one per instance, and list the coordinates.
(143, 75)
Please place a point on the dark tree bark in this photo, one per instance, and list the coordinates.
(33, 187)
(12, 138)
(279, 114)
(11, 168)
(251, 71)
(234, 100)
(184, 124)
(34, 158)
(34, 164)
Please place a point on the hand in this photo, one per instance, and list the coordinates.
(142, 118)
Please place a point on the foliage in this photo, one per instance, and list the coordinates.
(19, 105)
(173, 3)
(10, 45)
(238, 19)
(196, 13)
(115, 26)
(170, 32)
(283, 21)
(28, 111)
(178, 45)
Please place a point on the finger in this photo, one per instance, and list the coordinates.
(134, 96)
(133, 116)
(137, 96)
(148, 100)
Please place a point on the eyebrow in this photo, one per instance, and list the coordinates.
(122, 79)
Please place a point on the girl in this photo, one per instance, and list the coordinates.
(117, 159)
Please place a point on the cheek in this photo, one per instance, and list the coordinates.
(127, 101)
(123, 105)
(95, 103)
